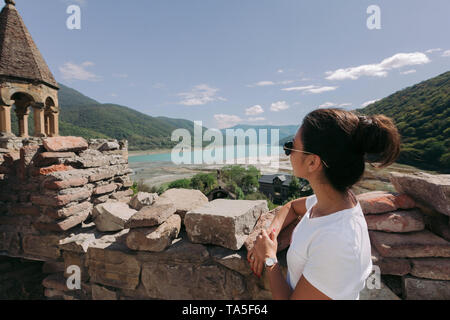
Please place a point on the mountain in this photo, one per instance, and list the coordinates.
(284, 131)
(422, 115)
(85, 117)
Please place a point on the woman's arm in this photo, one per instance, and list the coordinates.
(293, 210)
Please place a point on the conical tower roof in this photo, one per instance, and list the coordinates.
(19, 55)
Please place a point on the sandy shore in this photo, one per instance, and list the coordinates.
(157, 173)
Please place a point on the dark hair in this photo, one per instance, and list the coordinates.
(345, 141)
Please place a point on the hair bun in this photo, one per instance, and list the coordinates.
(377, 137)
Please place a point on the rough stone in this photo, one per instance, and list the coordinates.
(233, 260)
(109, 145)
(180, 251)
(431, 268)
(66, 212)
(64, 225)
(420, 244)
(183, 200)
(55, 281)
(226, 223)
(439, 225)
(425, 289)
(112, 216)
(76, 194)
(264, 222)
(151, 216)
(384, 293)
(398, 221)
(155, 239)
(143, 199)
(433, 190)
(101, 293)
(25, 209)
(42, 246)
(391, 266)
(105, 189)
(211, 282)
(114, 268)
(381, 202)
(51, 267)
(65, 144)
(91, 159)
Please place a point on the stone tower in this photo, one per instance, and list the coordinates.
(25, 80)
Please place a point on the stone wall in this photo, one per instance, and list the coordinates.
(68, 202)
(410, 235)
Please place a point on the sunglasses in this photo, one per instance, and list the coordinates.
(288, 150)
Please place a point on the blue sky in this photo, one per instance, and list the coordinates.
(225, 62)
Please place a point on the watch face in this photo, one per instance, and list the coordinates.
(270, 262)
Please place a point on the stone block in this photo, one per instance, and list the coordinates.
(114, 268)
(143, 199)
(264, 222)
(45, 246)
(66, 212)
(154, 239)
(390, 266)
(398, 221)
(206, 282)
(431, 268)
(102, 293)
(230, 259)
(64, 225)
(101, 190)
(381, 202)
(112, 216)
(151, 216)
(226, 223)
(180, 251)
(420, 244)
(425, 289)
(27, 209)
(433, 190)
(184, 200)
(65, 144)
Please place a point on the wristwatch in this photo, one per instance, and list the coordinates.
(270, 262)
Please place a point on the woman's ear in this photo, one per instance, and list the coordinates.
(314, 163)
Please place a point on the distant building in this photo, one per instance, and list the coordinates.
(276, 187)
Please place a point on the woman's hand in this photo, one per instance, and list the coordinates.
(265, 246)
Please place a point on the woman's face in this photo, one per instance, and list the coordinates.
(298, 158)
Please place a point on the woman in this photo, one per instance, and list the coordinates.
(330, 254)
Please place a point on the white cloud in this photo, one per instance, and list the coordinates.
(253, 111)
(72, 71)
(446, 53)
(311, 89)
(114, 95)
(409, 71)
(256, 119)
(280, 70)
(279, 106)
(367, 103)
(200, 95)
(433, 50)
(327, 105)
(226, 120)
(269, 83)
(332, 104)
(381, 69)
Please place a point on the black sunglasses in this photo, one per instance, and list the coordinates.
(288, 150)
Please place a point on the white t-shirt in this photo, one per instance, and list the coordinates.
(332, 252)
